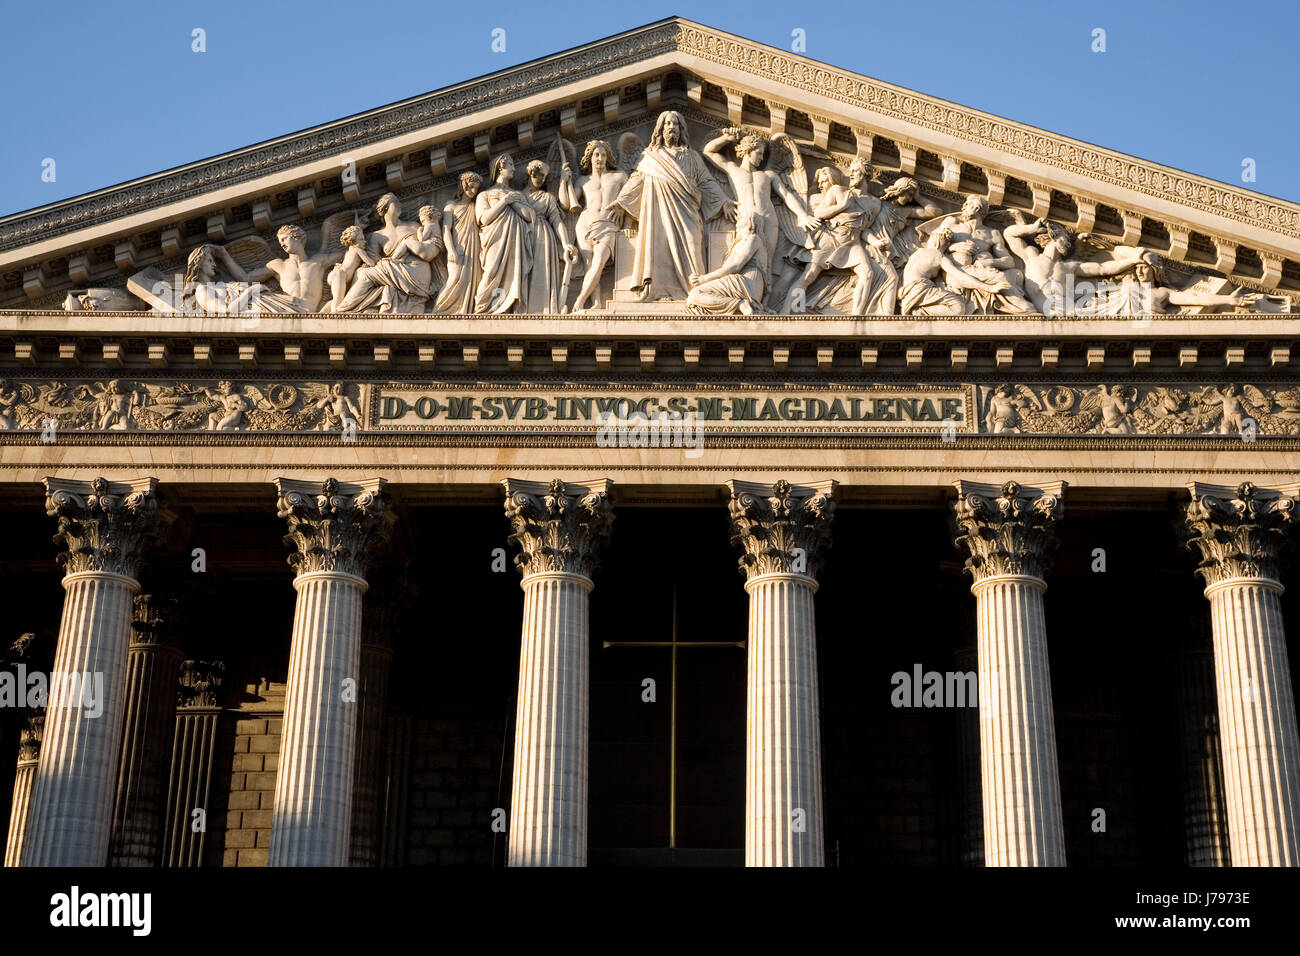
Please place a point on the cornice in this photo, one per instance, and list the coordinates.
(986, 129)
(691, 41)
(335, 138)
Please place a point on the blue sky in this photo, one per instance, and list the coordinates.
(113, 91)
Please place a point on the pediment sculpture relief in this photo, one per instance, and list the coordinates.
(540, 236)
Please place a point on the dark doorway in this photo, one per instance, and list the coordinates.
(668, 576)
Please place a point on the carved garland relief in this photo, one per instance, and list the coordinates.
(1172, 409)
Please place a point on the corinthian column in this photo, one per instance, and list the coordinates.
(385, 606)
(782, 528)
(194, 743)
(1205, 831)
(152, 664)
(28, 652)
(29, 756)
(335, 527)
(1239, 535)
(558, 527)
(1006, 533)
(103, 527)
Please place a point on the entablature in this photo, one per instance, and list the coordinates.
(626, 345)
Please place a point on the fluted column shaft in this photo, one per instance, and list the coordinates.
(18, 811)
(103, 529)
(559, 527)
(138, 813)
(1240, 534)
(782, 528)
(189, 788)
(548, 795)
(1205, 837)
(970, 809)
(1018, 763)
(312, 819)
(72, 801)
(1006, 531)
(335, 528)
(1257, 719)
(783, 785)
(29, 752)
(375, 661)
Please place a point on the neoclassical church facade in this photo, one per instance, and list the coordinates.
(399, 472)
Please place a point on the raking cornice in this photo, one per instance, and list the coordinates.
(1271, 225)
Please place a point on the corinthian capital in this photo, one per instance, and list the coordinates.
(1240, 533)
(30, 735)
(199, 683)
(103, 525)
(1008, 528)
(782, 527)
(155, 620)
(334, 525)
(559, 526)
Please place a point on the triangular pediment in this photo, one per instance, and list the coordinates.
(1210, 236)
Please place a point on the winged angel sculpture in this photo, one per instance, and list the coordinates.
(121, 405)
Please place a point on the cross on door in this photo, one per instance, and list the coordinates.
(673, 645)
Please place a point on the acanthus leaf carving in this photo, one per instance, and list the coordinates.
(334, 526)
(783, 528)
(103, 525)
(199, 683)
(559, 526)
(1240, 533)
(1006, 530)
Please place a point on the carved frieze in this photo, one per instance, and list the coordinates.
(783, 528)
(103, 525)
(1239, 411)
(1242, 411)
(1241, 532)
(559, 526)
(125, 405)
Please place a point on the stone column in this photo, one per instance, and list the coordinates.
(396, 791)
(1006, 533)
(335, 527)
(1205, 830)
(970, 801)
(194, 742)
(782, 528)
(29, 756)
(103, 527)
(559, 527)
(384, 607)
(1239, 534)
(153, 660)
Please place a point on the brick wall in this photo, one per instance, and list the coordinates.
(253, 762)
(454, 776)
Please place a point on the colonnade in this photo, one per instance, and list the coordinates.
(70, 803)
